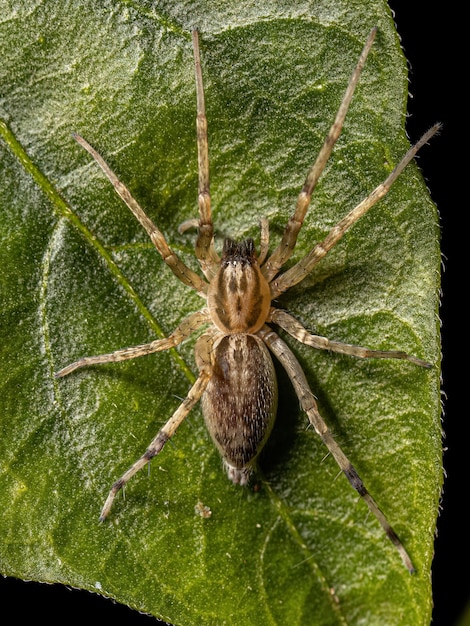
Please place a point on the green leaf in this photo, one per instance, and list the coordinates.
(79, 277)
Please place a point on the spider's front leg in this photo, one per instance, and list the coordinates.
(205, 251)
(284, 250)
(309, 405)
(302, 268)
(179, 269)
(296, 329)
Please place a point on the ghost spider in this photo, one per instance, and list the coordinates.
(236, 382)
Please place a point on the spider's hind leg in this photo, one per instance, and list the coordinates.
(203, 349)
(309, 405)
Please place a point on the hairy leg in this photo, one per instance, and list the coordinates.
(181, 271)
(181, 332)
(284, 250)
(309, 405)
(203, 358)
(297, 330)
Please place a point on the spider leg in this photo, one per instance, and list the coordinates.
(308, 404)
(264, 240)
(181, 332)
(203, 359)
(299, 332)
(284, 250)
(181, 271)
(205, 251)
(301, 269)
(163, 435)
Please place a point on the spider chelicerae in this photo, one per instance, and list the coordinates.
(236, 382)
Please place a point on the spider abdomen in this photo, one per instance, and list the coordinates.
(240, 401)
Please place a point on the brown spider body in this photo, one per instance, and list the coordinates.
(240, 401)
(237, 382)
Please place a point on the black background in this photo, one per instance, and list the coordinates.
(432, 40)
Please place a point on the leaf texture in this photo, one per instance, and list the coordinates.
(79, 277)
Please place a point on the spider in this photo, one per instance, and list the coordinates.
(236, 382)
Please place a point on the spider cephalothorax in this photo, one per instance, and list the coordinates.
(237, 382)
(238, 296)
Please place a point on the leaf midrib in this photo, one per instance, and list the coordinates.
(63, 211)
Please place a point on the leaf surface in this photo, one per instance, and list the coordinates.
(79, 277)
